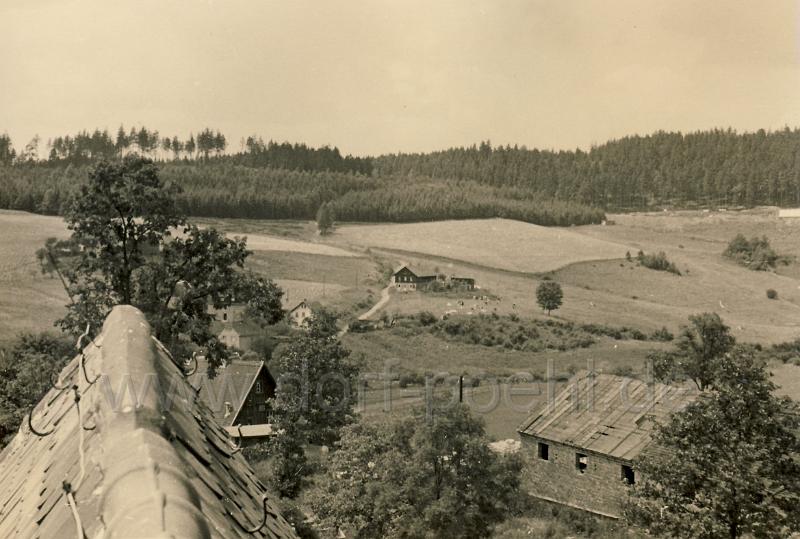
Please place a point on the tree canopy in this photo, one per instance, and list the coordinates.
(726, 465)
(549, 295)
(410, 477)
(131, 245)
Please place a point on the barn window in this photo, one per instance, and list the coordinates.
(259, 389)
(225, 316)
(581, 462)
(543, 450)
(627, 475)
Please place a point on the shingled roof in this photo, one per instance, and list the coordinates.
(606, 414)
(232, 384)
(155, 463)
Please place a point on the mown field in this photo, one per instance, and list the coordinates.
(494, 243)
(601, 286)
(29, 301)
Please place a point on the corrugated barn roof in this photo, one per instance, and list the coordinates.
(606, 414)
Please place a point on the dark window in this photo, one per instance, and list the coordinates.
(543, 451)
(225, 316)
(581, 462)
(627, 475)
(259, 389)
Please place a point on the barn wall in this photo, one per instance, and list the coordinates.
(600, 489)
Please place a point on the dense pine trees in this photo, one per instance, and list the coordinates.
(718, 167)
(281, 180)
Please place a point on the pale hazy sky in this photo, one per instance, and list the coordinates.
(375, 76)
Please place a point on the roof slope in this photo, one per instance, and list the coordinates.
(232, 384)
(606, 414)
(156, 462)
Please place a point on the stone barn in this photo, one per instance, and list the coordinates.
(582, 445)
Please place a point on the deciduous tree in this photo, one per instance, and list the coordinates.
(412, 477)
(549, 296)
(727, 465)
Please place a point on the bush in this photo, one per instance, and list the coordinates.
(755, 253)
(662, 334)
(426, 318)
(658, 262)
(772, 294)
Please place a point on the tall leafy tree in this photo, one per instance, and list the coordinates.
(324, 219)
(701, 345)
(412, 477)
(123, 219)
(317, 387)
(727, 465)
(549, 296)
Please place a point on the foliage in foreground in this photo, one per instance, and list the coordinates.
(412, 477)
(727, 465)
(314, 400)
(25, 370)
(122, 252)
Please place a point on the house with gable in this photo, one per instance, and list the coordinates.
(95, 460)
(237, 396)
(300, 315)
(406, 280)
(583, 444)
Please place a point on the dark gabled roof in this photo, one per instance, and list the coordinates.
(232, 384)
(156, 463)
(299, 305)
(406, 268)
(606, 414)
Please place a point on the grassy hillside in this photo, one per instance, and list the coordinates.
(600, 286)
(495, 243)
(29, 301)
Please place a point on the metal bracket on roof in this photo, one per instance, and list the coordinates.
(238, 447)
(194, 368)
(36, 432)
(267, 512)
(54, 383)
(85, 335)
(85, 375)
(78, 408)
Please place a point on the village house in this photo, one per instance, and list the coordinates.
(237, 396)
(300, 315)
(406, 280)
(238, 335)
(140, 463)
(583, 444)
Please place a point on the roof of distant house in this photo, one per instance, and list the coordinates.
(155, 463)
(231, 384)
(606, 414)
(298, 306)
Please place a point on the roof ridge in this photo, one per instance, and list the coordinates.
(138, 461)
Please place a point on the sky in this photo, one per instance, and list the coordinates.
(385, 76)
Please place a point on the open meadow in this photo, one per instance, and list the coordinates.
(494, 243)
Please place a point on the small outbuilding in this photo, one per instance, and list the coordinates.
(583, 443)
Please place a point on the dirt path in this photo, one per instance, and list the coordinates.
(378, 306)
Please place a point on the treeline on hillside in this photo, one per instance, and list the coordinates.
(718, 167)
(226, 190)
(208, 145)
